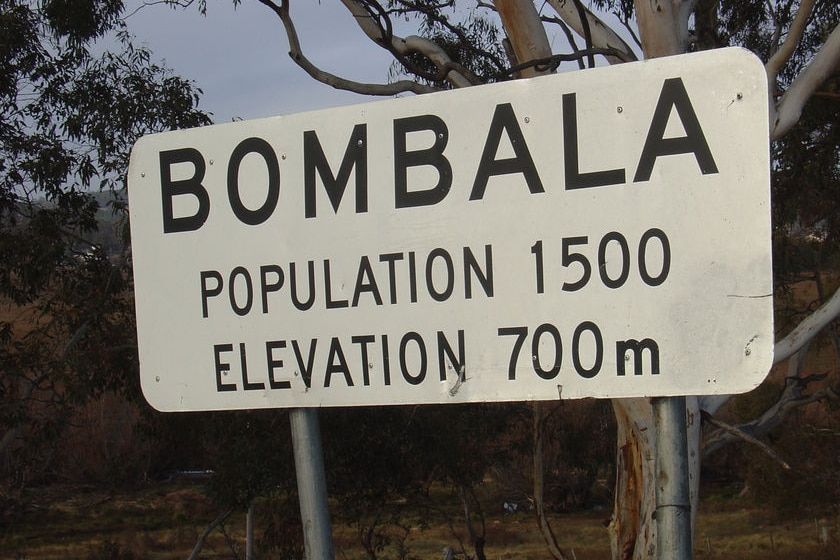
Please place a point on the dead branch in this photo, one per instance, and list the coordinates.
(792, 398)
(206, 533)
(539, 484)
(740, 434)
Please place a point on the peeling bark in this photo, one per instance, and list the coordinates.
(601, 35)
(663, 26)
(632, 533)
(526, 33)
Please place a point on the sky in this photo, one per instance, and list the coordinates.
(239, 56)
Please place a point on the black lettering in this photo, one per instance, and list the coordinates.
(314, 160)
(331, 304)
(571, 154)
(365, 282)
(243, 213)
(433, 156)
(445, 352)
(588, 373)
(191, 186)
(265, 287)
(412, 277)
(222, 368)
(674, 95)
(614, 283)
(337, 363)
(485, 278)
(504, 119)
(391, 258)
(551, 330)
(637, 347)
(303, 305)
(305, 368)
(363, 342)
(666, 257)
(386, 361)
(206, 291)
(520, 333)
(249, 291)
(450, 274)
(421, 348)
(243, 362)
(273, 364)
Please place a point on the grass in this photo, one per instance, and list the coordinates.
(163, 521)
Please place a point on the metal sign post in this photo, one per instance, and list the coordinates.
(673, 500)
(312, 484)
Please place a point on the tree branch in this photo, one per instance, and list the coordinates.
(206, 533)
(296, 54)
(789, 108)
(807, 329)
(796, 341)
(792, 397)
(399, 47)
(602, 35)
(783, 54)
(525, 31)
(663, 26)
(740, 434)
(551, 63)
(539, 484)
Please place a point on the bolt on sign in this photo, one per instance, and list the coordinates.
(601, 233)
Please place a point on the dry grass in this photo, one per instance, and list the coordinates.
(163, 522)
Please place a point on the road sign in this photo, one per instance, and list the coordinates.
(602, 233)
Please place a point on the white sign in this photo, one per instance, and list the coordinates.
(603, 233)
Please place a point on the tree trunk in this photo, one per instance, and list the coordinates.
(633, 524)
(663, 28)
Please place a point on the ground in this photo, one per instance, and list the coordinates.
(162, 521)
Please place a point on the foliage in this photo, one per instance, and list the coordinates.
(471, 40)
(69, 113)
(578, 454)
(250, 453)
(810, 441)
(382, 462)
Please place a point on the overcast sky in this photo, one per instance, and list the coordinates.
(239, 57)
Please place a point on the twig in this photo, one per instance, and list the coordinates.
(744, 436)
(210, 528)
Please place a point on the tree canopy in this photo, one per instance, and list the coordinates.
(438, 45)
(75, 94)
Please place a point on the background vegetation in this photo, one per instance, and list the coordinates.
(71, 416)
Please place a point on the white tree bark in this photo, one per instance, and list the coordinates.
(601, 35)
(526, 33)
(789, 108)
(663, 27)
(405, 45)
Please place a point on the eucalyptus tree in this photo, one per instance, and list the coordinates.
(75, 94)
(438, 45)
